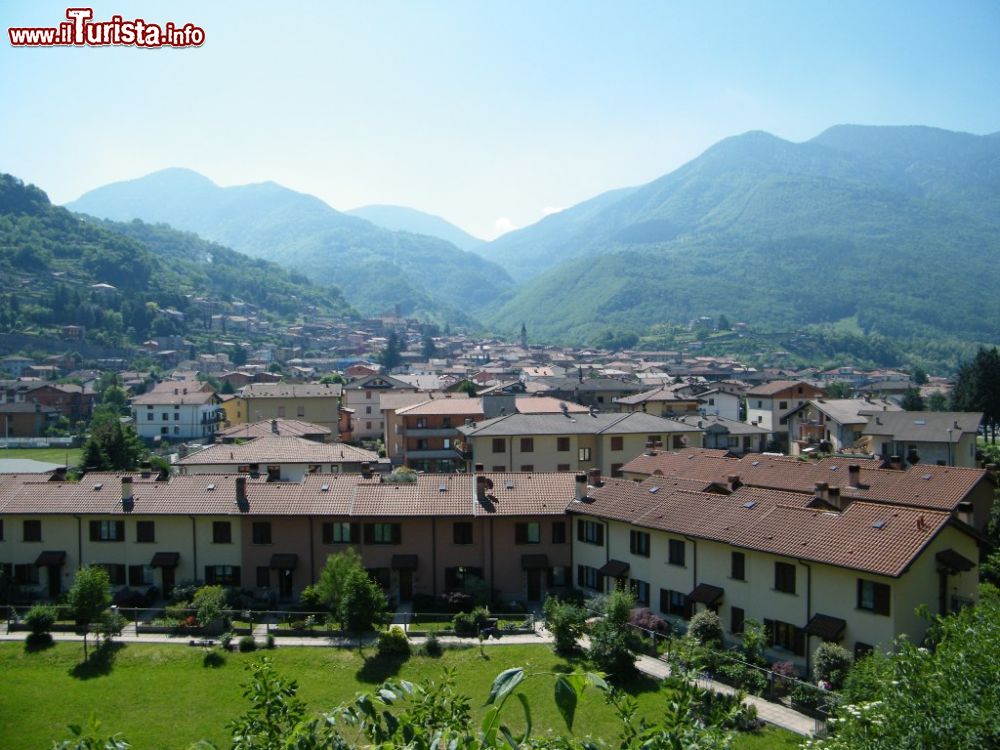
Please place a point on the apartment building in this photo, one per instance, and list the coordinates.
(920, 437)
(833, 425)
(178, 410)
(768, 405)
(319, 403)
(363, 396)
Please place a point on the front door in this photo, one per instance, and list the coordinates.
(55, 581)
(405, 585)
(534, 585)
(285, 583)
(167, 573)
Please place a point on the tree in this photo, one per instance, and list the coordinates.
(723, 324)
(839, 389)
(919, 375)
(467, 387)
(429, 348)
(362, 604)
(329, 588)
(937, 401)
(210, 602)
(240, 356)
(977, 388)
(612, 642)
(912, 400)
(274, 711)
(390, 356)
(89, 596)
(111, 446)
(524, 336)
(331, 378)
(566, 622)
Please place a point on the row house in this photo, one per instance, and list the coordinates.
(809, 570)
(439, 533)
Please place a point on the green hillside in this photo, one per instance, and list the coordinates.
(377, 268)
(903, 237)
(49, 258)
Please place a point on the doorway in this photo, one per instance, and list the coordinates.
(285, 584)
(405, 586)
(534, 585)
(55, 581)
(167, 573)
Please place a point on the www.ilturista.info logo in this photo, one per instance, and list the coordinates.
(81, 31)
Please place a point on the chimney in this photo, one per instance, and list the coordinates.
(854, 475)
(822, 491)
(274, 426)
(649, 448)
(956, 425)
(896, 463)
(241, 490)
(366, 470)
(733, 480)
(964, 513)
(594, 476)
(126, 490)
(481, 489)
(833, 498)
(878, 420)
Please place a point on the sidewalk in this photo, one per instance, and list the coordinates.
(772, 713)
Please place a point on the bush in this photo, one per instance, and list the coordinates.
(645, 618)
(456, 601)
(432, 647)
(754, 642)
(468, 624)
(739, 675)
(247, 643)
(806, 695)
(393, 642)
(566, 622)
(831, 663)
(209, 601)
(597, 604)
(183, 592)
(612, 642)
(785, 675)
(111, 624)
(269, 641)
(41, 618)
(423, 603)
(178, 611)
(226, 640)
(310, 598)
(705, 628)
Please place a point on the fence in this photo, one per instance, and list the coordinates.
(39, 442)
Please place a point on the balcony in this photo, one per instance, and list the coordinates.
(439, 453)
(430, 432)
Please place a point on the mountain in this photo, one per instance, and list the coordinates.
(50, 258)
(403, 219)
(377, 268)
(894, 229)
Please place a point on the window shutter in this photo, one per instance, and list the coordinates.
(520, 533)
(236, 575)
(355, 533)
(600, 535)
(327, 533)
(579, 530)
(397, 533)
(881, 599)
(369, 534)
(581, 579)
(135, 577)
(95, 531)
(120, 531)
(860, 595)
(209, 575)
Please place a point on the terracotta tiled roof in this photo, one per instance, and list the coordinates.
(518, 494)
(472, 407)
(291, 390)
(265, 427)
(777, 386)
(278, 449)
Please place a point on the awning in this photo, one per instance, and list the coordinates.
(51, 557)
(533, 562)
(614, 569)
(705, 594)
(404, 562)
(953, 561)
(826, 627)
(165, 560)
(286, 561)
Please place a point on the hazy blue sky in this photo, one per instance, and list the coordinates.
(488, 114)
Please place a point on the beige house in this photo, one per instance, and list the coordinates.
(318, 403)
(569, 442)
(279, 458)
(363, 396)
(925, 437)
(831, 425)
(769, 405)
(807, 570)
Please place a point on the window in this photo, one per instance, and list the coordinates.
(300, 411)
(340, 532)
(785, 635)
(562, 467)
(165, 416)
(177, 416)
(641, 591)
(527, 467)
(638, 543)
(145, 531)
(873, 597)
(562, 444)
(26, 575)
(222, 575)
(140, 575)
(583, 454)
(149, 416)
(674, 603)
(587, 577)
(499, 445)
(281, 412)
(737, 567)
(675, 552)
(784, 577)
(263, 577)
(222, 532)
(782, 404)
(368, 425)
(590, 532)
(461, 532)
(500, 468)
(558, 532)
(107, 531)
(617, 443)
(32, 531)
(760, 404)
(616, 470)
(558, 576)
(116, 573)
(262, 532)
(368, 395)
(527, 533)
(383, 533)
(736, 620)
(368, 410)
(1, 529)
(527, 445)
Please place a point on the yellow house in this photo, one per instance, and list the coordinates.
(318, 403)
(235, 409)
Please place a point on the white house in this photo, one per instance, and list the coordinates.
(178, 410)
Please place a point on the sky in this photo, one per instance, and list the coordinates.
(490, 115)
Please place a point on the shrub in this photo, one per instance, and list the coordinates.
(456, 601)
(754, 642)
(393, 642)
(111, 624)
(612, 642)
(645, 618)
(310, 598)
(41, 618)
(183, 592)
(806, 695)
(468, 624)
(178, 611)
(566, 622)
(209, 601)
(598, 603)
(423, 603)
(432, 647)
(742, 676)
(269, 641)
(226, 640)
(705, 628)
(247, 643)
(785, 675)
(297, 624)
(831, 663)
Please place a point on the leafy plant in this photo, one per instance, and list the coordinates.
(566, 623)
(393, 643)
(705, 628)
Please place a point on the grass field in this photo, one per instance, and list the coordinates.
(162, 696)
(68, 456)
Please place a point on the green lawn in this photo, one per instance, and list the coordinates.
(162, 696)
(68, 456)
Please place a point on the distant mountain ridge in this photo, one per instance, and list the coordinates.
(403, 219)
(378, 269)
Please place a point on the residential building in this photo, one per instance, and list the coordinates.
(768, 405)
(281, 427)
(428, 433)
(363, 396)
(279, 458)
(827, 425)
(569, 442)
(26, 419)
(663, 401)
(717, 402)
(947, 438)
(599, 392)
(728, 434)
(318, 403)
